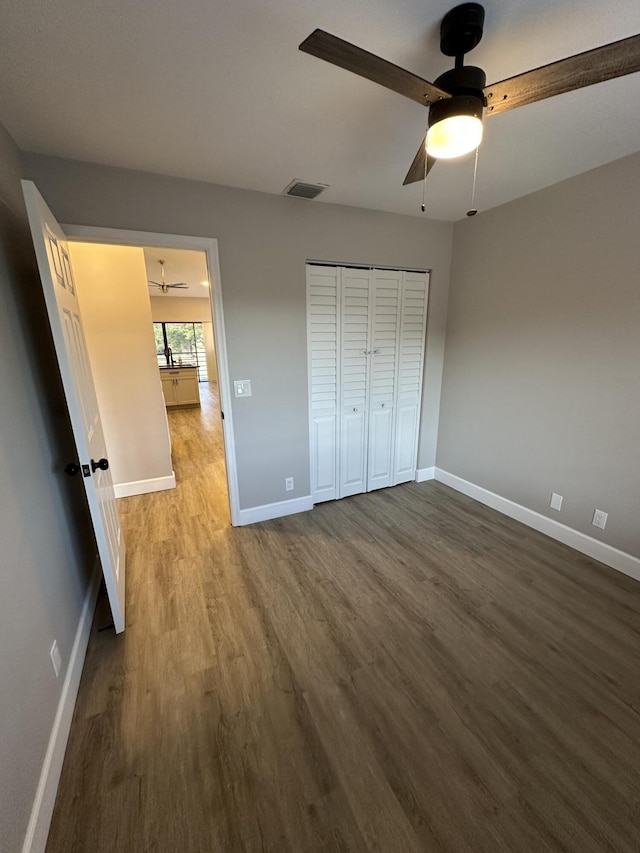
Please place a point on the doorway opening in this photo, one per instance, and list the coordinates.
(184, 339)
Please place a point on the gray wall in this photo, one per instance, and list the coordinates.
(44, 566)
(541, 388)
(264, 241)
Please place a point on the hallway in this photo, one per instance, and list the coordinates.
(197, 451)
(402, 671)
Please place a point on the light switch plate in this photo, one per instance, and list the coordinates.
(242, 387)
(556, 501)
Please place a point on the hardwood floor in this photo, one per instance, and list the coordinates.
(400, 671)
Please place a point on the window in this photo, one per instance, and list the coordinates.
(186, 341)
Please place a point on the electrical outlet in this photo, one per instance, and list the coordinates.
(556, 501)
(56, 658)
(600, 519)
(288, 484)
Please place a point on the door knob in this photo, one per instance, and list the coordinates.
(102, 464)
(72, 469)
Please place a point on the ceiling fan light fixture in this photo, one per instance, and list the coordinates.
(461, 31)
(455, 127)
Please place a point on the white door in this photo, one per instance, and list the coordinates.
(413, 321)
(386, 286)
(68, 337)
(354, 380)
(322, 331)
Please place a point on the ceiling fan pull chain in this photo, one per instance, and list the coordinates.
(424, 180)
(473, 210)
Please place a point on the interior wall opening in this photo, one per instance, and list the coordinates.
(149, 324)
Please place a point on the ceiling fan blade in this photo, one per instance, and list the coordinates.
(584, 69)
(346, 55)
(416, 170)
(182, 284)
(155, 283)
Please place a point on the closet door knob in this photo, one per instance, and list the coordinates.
(102, 464)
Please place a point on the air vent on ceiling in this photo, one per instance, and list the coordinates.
(301, 189)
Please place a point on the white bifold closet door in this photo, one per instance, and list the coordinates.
(384, 338)
(366, 332)
(323, 365)
(413, 322)
(353, 384)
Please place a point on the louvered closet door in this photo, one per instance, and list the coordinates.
(322, 330)
(354, 343)
(386, 287)
(413, 319)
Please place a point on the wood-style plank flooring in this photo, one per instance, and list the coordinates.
(401, 671)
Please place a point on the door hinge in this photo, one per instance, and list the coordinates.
(222, 415)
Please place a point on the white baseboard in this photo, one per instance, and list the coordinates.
(423, 474)
(36, 838)
(607, 554)
(143, 487)
(276, 510)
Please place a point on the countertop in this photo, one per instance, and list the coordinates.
(177, 367)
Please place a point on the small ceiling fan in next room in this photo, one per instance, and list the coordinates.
(459, 98)
(164, 287)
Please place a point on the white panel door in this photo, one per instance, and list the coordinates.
(68, 337)
(322, 342)
(413, 319)
(386, 286)
(354, 379)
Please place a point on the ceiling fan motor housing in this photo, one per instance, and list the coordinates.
(461, 29)
(466, 85)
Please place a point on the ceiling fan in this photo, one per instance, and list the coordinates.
(164, 287)
(460, 97)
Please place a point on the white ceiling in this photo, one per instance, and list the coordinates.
(217, 90)
(181, 265)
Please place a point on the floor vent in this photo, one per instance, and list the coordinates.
(301, 189)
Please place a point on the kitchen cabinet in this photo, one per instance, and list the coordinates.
(180, 386)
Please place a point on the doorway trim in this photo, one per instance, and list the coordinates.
(208, 245)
